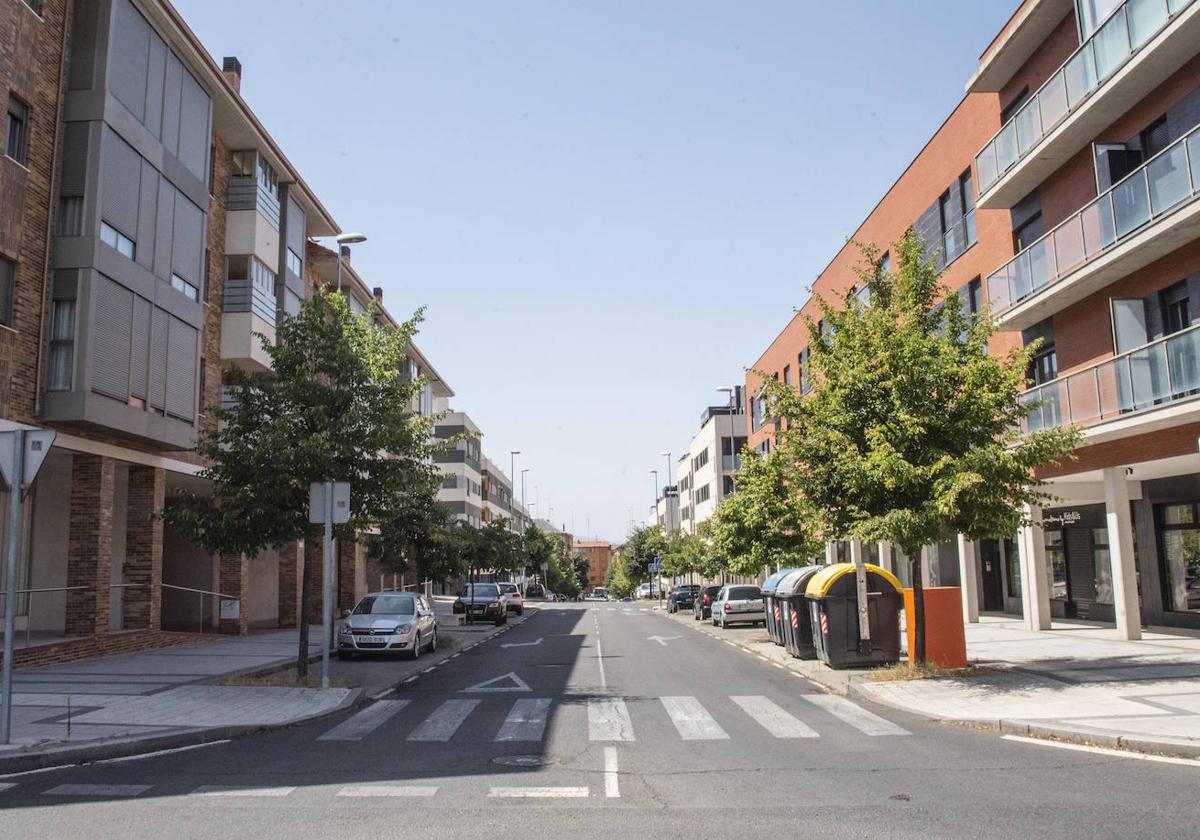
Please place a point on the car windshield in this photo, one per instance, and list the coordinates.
(744, 593)
(386, 605)
(711, 590)
(508, 587)
(481, 590)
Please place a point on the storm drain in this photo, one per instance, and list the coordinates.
(523, 760)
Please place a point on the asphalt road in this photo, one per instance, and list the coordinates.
(580, 722)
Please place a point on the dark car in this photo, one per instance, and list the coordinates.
(482, 602)
(535, 590)
(682, 597)
(702, 604)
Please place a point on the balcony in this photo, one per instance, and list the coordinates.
(1138, 47)
(1030, 26)
(1124, 392)
(1146, 215)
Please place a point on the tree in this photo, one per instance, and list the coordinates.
(912, 434)
(413, 539)
(768, 521)
(617, 581)
(642, 547)
(537, 549)
(332, 408)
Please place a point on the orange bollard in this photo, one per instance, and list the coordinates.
(945, 637)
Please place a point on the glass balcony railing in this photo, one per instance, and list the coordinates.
(1118, 39)
(1153, 375)
(1163, 184)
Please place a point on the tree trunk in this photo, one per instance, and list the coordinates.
(305, 612)
(918, 654)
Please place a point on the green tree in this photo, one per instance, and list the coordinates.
(537, 549)
(617, 581)
(642, 547)
(768, 521)
(912, 432)
(332, 408)
(413, 538)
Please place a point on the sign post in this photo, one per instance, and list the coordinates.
(21, 455)
(328, 502)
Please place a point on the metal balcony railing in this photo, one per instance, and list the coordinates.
(1163, 184)
(1130, 27)
(1154, 375)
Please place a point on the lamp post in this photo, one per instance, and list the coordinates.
(729, 390)
(655, 474)
(345, 239)
(666, 501)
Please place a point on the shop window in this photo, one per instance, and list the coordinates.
(1012, 569)
(1180, 542)
(1102, 566)
(1056, 564)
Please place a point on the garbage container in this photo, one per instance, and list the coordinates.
(795, 625)
(833, 609)
(771, 606)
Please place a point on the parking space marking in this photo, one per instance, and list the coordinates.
(692, 720)
(855, 715)
(773, 718)
(362, 724)
(444, 722)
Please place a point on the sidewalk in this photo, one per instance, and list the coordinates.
(1076, 682)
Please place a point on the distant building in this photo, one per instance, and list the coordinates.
(599, 556)
(705, 475)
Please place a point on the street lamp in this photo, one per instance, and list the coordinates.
(655, 474)
(345, 239)
(666, 501)
(729, 390)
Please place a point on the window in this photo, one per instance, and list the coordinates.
(787, 374)
(805, 375)
(975, 296)
(702, 495)
(1102, 566)
(18, 130)
(1013, 106)
(8, 286)
(241, 163)
(1056, 564)
(1176, 311)
(36, 5)
(1154, 138)
(1028, 232)
(294, 263)
(267, 178)
(62, 346)
(113, 238)
(189, 289)
(1044, 366)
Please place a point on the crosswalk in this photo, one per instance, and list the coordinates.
(609, 719)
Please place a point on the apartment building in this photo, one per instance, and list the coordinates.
(462, 488)
(598, 554)
(1061, 192)
(666, 513)
(498, 497)
(705, 474)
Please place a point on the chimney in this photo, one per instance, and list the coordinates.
(345, 251)
(232, 69)
(378, 292)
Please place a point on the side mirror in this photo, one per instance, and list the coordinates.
(346, 613)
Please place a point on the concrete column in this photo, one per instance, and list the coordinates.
(234, 580)
(885, 557)
(1035, 587)
(830, 553)
(290, 557)
(1120, 552)
(89, 544)
(144, 547)
(968, 571)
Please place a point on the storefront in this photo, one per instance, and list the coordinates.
(1078, 562)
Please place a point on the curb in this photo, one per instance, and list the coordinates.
(87, 754)
(851, 687)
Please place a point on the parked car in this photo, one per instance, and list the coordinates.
(735, 604)
(535, 590)
(682, 597)
(482, 601)
(388, 622)
(702, 603)
(512, 593)
(597, 594)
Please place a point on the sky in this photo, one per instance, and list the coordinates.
(609, 209)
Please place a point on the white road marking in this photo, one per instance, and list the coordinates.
(430, 668)
(444, 722)
(612, 784)
(538, 793)
(7, 786)
(230, 790)
(662, 640)
(515, 684)
(367, 791)
(361, 725)
(774, 719)
(526, 721)
(411, 679)
(1063, 745)
(189, 748)
(692, 720)
(97, 790)
(865, 722)
(379, 695)
(608, 720)
(522, 644)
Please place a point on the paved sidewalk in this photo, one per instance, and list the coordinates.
(1076, 681)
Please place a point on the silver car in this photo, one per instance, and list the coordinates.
(515, 602)
(389, 622)
(736, 603)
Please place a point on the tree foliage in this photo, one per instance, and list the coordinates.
(642, 547)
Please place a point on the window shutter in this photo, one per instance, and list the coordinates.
(111, 338)
(158, 358)
(181, 370)
(139, 357)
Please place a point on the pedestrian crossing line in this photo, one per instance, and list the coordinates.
(855, 715)
(369, 791)
(774, 719)
(608, 720)
(538, 793)
(362, 724)
(98, 790)
(692, 720)
(526, 721)
(232, 790)
(444, 722)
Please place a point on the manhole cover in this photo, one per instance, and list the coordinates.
(522, 760)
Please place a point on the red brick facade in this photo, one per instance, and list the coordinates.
(142, 575)
(89, 557)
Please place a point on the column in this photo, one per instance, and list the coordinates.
(290, 564)
(1035, 587)
(89, 544)
(347, 556)
(885, 557)
(968, 575)
(1120, 552)
(144, 547)
(233, 579)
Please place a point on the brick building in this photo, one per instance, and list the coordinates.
(599, 555)
(1062, 193)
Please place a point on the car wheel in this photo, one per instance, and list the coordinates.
(415, 653)
(520, 611)
(433, 640)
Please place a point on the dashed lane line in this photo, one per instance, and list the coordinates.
(538, 793)
(368, 791)
(232, 790)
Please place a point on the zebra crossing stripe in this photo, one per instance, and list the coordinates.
(368, 791)
(692, 720)
(358, 726)
(608, 720)
(774, 719)
(526, 721)
(444, 722)
(538, 793)
(855, 715)
(230, 790)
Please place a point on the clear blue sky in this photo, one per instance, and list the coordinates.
(610, 208)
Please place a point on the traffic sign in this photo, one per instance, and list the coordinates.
(37, 447)
(341, 501)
